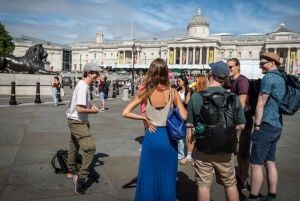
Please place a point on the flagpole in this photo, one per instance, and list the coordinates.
(132, 30)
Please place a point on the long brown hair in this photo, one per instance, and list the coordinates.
(201, 82)
(157, 77)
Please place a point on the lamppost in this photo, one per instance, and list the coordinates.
(133, 61)
(80, 63)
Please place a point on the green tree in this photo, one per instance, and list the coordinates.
(6, 44)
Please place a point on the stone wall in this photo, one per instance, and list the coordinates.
(26, 83)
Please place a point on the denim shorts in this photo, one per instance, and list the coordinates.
(101, 96)
(264, 143)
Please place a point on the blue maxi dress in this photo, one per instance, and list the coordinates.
(157, 173)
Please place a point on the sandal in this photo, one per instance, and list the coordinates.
(185, 161)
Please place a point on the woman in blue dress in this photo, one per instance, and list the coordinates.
(158, 163)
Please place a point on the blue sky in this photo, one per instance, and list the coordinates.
(75, 21)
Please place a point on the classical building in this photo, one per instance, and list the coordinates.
(194, 51)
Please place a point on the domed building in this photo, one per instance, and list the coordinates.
(198, 26)
(191, 53)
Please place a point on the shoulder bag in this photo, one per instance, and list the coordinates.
(175, 124)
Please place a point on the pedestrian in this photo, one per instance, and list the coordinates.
(77, 114)
(128, 83)
(267, 128)
(201, 84)
(158, 163)
(101, 87)
(241, 87)
(207, 155)
(55, 84)
(184, 92)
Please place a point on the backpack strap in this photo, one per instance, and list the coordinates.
(56, 170)
(284, 76)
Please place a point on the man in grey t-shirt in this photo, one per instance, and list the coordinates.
(79, 126)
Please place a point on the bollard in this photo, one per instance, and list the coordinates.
(91, 92)
(58, 95)
(13, 94)
(71, 84)
(117, 87)
(37, 97)
(114, 90)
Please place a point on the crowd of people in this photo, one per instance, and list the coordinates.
(223, 87)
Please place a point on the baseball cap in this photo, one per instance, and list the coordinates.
(220, 69)
(92, 67)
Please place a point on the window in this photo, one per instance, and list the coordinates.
(111, 54)
(74, 66)
(250, 54)
(86, 57)
(95, 55)
(230, 54)
(240, 54)
(281, 54)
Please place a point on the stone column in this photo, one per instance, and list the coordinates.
(168, 56)
(194, 54)
(119, 52)
(215, 57)
(275, 50)
(200, 56)
(207, 55)
(174, 56)
(180, 56)
(298, 56)
(287, 68)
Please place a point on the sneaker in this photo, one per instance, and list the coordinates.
(55, 105)
(70, 175)
(78, 186)
(185, 160)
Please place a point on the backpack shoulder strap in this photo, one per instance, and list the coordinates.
(284, 76)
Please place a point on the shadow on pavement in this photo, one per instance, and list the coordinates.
(186, 188)
(94, 176)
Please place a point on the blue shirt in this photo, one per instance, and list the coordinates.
(274, 85)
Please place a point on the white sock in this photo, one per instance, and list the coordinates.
(189, 155)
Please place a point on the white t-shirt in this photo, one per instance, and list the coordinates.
(81, 96)
(182, 96)
(129, 85)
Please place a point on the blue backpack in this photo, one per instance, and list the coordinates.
(290, 103)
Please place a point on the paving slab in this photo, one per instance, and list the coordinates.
(30, 135)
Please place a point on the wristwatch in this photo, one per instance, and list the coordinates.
(255, 125)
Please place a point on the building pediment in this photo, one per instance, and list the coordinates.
(193, 40)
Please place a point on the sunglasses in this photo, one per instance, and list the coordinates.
(263, 63)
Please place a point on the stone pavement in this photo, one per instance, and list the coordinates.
(30, 134)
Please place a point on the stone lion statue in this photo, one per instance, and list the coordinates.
(31, 62)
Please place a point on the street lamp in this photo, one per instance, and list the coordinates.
(133, 60)
(80, 63)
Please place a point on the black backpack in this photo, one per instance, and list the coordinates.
(219, 116)
(253, 94)
(62, 157)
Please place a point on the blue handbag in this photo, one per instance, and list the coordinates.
(175, 124)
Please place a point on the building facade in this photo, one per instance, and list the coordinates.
(194, 51)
